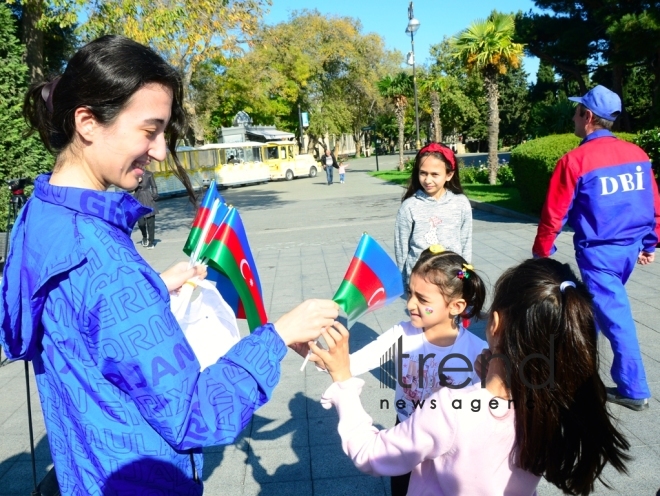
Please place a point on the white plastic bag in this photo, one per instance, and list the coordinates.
(208, 322)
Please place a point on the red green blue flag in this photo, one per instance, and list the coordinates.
(207, 220)
(228, 252)
(202, 219)
(371, 281)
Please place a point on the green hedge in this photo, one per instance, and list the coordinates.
(534, 161)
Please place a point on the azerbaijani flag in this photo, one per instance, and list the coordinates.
(202, 219)
(371, 281)
(228, 251)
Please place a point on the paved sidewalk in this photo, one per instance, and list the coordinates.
(303, 234)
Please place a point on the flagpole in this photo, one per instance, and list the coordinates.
(309, 354)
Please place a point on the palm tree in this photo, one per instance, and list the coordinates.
(397, 89)
(488, 47)
(434, 85)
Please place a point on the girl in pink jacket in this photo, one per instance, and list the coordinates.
(539, 413)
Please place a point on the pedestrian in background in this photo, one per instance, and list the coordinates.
(147, 194)
(329, 162)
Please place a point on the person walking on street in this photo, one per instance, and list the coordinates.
(147, 194)
(606, 191)
(329, 162)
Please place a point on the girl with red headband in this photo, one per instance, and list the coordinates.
(433, 211)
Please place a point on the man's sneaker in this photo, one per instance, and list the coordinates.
(638, 405)
(150, 247)
(145, 243)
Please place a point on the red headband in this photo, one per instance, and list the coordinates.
(442, 150)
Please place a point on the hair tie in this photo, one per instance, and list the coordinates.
(442, 150)
(435, 249)
(464, 274)
(565, 284)
(47, 93)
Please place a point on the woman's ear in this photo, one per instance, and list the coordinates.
(86, 123)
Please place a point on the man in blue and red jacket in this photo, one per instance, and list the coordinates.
(606, 191)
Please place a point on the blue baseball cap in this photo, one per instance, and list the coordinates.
(602, 102)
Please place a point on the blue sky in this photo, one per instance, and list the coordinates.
(389, 19)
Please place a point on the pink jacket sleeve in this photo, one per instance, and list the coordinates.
(427, 434)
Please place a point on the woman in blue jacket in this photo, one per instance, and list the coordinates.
(126, 408)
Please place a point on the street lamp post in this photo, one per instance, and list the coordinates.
(413, 25)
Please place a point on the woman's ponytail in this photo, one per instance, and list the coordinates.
(37, 115)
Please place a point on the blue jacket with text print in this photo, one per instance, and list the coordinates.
(126, 407)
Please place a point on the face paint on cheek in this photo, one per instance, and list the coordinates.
(428, 310)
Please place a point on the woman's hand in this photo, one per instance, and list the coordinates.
(305, 322)
(336, 358)
(176, 276)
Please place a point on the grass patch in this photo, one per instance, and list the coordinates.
(502, 196)
(392, 176)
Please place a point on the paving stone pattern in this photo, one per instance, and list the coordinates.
(303, 234)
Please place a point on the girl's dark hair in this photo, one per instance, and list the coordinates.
(564, 431)
(453, 185)
(103, 76)
(447, 271)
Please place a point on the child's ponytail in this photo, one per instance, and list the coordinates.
(564, 431)
(455, 278)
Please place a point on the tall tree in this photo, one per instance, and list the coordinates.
(322, 63)
(21, 156)
(397, 90)
(488, 47)
(186, 32)
(434, 85)
(46, 31)
(609, 37)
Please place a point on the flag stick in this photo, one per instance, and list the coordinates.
(205, 231)
(309, 354)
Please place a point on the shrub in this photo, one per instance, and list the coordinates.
(467, 175)
(505, 175)
(532, 164)
(481, 176)
(650, 142)
(409, 164)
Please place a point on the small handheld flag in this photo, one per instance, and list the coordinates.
(228, 251)
(203, 221)
(371, 281)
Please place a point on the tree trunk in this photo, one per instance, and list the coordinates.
(617, 83)
(356, 138)
(437, 125)
(399, 111)
(656, 85)
(33, 39)
(492, 94)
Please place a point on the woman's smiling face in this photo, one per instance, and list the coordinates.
(119, 152)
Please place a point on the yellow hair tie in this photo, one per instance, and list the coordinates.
(435, 249)
(468, 267)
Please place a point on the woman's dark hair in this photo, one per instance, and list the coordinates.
(103, 76)
(453, 185)
(564, 431)
(448, 271)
